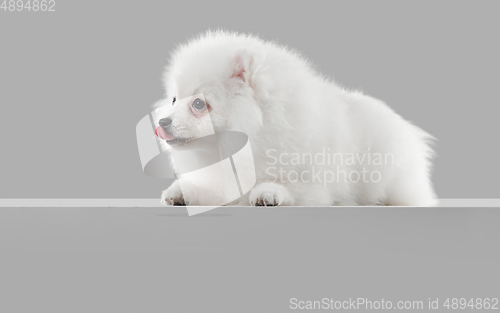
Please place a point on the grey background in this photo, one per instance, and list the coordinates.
(74, 83)
(103, 260)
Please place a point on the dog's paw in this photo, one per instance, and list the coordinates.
(270, 194)
(172, 195)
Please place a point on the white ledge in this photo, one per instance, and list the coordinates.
(155, 203)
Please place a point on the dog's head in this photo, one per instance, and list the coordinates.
(212, 83)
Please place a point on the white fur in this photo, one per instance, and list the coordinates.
(273, 95)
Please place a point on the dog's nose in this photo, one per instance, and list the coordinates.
(165, 122)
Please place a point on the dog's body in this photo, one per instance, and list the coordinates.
(295, 119)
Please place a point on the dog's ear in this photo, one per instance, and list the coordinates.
(243, 65)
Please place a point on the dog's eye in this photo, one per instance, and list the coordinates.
(198, 104)
(173, 100)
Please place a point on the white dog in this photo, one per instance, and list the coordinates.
(314, 143)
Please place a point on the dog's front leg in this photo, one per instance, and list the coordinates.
(173, 195)
(270, 194)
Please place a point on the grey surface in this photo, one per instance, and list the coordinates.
(74, 83)
(241, 260)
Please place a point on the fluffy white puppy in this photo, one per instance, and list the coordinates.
(314, 143)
